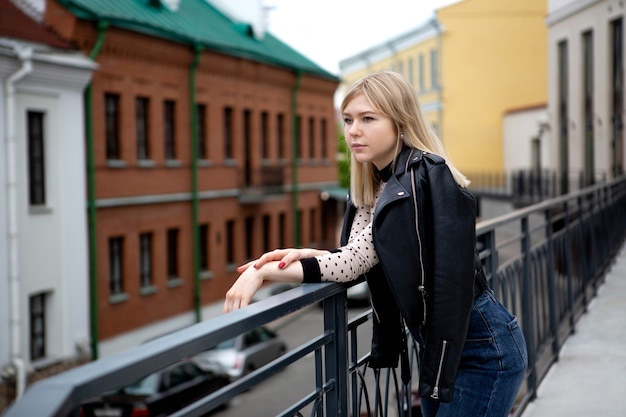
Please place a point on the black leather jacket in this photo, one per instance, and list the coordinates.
(424, 232)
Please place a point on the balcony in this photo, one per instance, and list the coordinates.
(261, 184)
(545, 262)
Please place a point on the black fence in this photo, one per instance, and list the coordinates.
(545, 262)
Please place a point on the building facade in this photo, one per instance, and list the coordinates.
(414, 54)
(477, 60)
(44, 314)
(586, 94)
(208, 142)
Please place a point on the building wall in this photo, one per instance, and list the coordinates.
(567, 22)
(415, 55)
(135, 197)
(48, 240)
(526, 137)
(493, 58)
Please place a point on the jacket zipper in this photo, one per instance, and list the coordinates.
(421, 288)
(435, 394)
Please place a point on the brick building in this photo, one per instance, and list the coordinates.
(208, 142)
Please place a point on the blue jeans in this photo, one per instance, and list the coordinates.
(493, 364)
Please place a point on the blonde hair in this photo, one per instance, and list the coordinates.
(390, 94)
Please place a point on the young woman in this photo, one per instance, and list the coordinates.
(410, 229)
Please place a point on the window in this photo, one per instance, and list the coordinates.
(562, 116)
(145, 260)
(588, 81)
(141, 123)
(313, 228)
(411, 72)
(230, 242)
(280, 136)
(169, 129)
(298, 141)
(36, 158)
(116, 279)
(617, 96)
(228, 133)
(38, 326)
(420, 68)
(204, 247)
(264, 135)
(311, 138)
(247, 147)
(434, 69)
(172, 254)
(112, 125)
(249, 237)
(324, 139)
(282, 230)
(203, 140)
(266, 232)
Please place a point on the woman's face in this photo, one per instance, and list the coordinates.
(371, 136)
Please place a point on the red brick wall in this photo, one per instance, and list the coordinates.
(131, 65)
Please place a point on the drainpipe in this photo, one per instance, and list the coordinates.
(25, 55)
(295, 151)
(197, 301)
(91, 199)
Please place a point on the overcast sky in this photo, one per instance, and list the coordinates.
(328, 31)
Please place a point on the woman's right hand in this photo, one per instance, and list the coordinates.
(284, 257)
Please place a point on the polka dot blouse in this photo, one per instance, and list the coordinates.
(352, 260)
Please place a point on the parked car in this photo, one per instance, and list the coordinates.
(243, 354)
(158, 394)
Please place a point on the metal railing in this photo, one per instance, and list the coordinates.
(545, 262)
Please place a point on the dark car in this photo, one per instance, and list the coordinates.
(158, 394)
(243, 354)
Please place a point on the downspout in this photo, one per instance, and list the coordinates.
(197, 301)
(25, 55)
(91, 198)
(295, 151)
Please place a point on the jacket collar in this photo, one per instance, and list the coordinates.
(406, 158)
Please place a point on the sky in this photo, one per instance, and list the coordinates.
(329, 31)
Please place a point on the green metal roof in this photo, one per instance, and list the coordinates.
(195, 22)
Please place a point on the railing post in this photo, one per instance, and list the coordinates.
(336, 354)
(554, 329)
(568, 266)
(527, 307)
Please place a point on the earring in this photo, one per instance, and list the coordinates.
(401, 135)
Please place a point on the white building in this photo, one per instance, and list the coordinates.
(44, 313)
(586, 88)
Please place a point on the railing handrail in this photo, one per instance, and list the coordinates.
(488, 224)
(59, 395)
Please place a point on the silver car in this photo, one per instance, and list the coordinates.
(243, 354)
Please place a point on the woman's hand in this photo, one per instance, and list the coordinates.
(284, 257)
(251, 279)
(242, 291)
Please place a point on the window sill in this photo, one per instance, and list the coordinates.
(118, 298)
(148, 290)
(116, 163)
(146, 163)
(173, 163)
(230, 162)
(39, 209)
(174, 282)
(205, 163)
(231, 267)
(206, 275)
